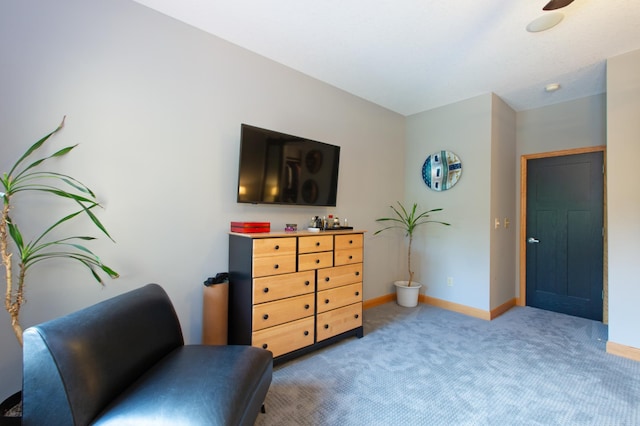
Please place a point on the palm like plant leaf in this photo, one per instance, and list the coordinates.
(22, 179)
(408, 221)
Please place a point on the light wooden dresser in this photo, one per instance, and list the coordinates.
(295, 292)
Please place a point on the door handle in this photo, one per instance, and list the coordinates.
(532, 240)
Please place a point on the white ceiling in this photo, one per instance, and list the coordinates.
(413, 55)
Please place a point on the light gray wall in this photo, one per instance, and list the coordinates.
(156, 106)
(460, 251)
(574, 124)
(503, 184)
(623, 196)
(479, 257)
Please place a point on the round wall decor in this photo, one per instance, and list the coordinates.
(441, 170)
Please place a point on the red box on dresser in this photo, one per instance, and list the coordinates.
(250, 227)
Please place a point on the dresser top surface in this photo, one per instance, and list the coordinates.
(301, 233)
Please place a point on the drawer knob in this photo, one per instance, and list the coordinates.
(350, 241)
(317, 243)
(326, 326)
(276, 266)
(265, 316)
(266, 290)
(327, 279)
(357, 316)
(306, 333)
(277, 247)
(357, 273)
(265, 346)
(357, 293)
(350, 257)
(306, 306)
(307, 283)
(317, 261)
(326, 300)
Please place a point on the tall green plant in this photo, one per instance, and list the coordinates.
(25, 178)
(408, 221)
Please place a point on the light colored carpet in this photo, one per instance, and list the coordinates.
(429, 366)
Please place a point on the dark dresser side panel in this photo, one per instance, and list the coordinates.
(240, 290)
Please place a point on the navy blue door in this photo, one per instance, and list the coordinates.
(565, 234)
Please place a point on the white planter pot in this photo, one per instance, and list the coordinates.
(405, 295)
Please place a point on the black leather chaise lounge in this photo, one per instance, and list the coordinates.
(123, 362)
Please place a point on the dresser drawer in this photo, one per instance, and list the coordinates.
(315, 260)
(339, 296)
(347, 256)
(272, 265)
(285, 338)
(274, 246)
(339, 276)
(349, 241)
(332, 323)
(276, 287)
(315, 243)
(281, 311)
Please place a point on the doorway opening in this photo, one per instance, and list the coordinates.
(527, 167)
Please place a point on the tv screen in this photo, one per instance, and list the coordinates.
(276, 168)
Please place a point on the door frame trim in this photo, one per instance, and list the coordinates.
(522, 298)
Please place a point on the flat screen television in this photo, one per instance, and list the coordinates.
(277, 168)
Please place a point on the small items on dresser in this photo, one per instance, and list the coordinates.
(327, 223)
(316, 224)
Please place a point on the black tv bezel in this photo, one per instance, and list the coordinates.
(333, 184)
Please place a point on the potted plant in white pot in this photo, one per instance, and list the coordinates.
(408, 220)
(18, 254)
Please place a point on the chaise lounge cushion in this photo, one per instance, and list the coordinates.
(198, 385)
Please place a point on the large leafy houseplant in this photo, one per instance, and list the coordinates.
(15, 250)
(408, 221)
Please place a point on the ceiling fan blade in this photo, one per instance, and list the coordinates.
(557, 4)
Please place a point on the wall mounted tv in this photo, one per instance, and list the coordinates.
(276, 168)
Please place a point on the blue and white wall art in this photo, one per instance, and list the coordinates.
(441, 170)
